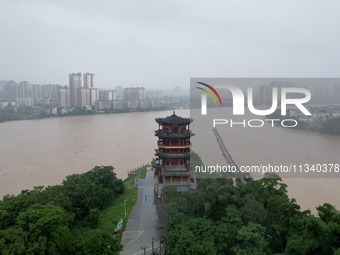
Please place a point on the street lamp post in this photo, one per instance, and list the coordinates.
(125, 207)
(144, 249)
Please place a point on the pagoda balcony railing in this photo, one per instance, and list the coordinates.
(178, 168)
(172, 168)
(161, 143)
(174, 173)
(174, 146)
(166, 134)
(172, 155)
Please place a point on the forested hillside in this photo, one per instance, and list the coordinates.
(223, 217)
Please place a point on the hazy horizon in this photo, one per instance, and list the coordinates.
(160, 45)
(186, 89)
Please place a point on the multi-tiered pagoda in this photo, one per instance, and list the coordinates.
(172, 165)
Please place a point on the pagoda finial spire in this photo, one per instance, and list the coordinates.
(174, 112)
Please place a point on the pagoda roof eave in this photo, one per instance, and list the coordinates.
(173, 120)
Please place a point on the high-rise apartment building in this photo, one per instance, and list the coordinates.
(119, 92)
(94, 96)
(84, 97)
(141, 93)
(24, 90)
(134, 97)
(64, 96)
(75, 83)
(153, 94)
(88, 80)
(11, 91)
(107, 95)
(36, 92)
(132, 94)
(49, 91)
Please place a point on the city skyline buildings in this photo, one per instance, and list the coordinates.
(82, 90)
(60, 95)
(81, 93)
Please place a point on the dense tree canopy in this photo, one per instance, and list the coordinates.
(52, 220)
(223, 217)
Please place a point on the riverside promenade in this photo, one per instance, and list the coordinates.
(147, 220)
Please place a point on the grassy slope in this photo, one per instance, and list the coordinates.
(109, 217)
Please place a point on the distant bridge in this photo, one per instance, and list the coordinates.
(243, 176)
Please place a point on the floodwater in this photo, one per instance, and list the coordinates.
(251, 146)
(43, 152)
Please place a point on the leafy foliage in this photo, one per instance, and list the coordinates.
(223, 217)
(53, 220)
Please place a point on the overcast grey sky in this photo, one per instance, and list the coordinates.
(154, 43)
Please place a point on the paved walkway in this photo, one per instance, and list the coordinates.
(147, 220)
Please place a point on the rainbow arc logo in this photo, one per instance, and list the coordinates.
(209, 93)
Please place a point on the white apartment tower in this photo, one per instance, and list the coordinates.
(88, 80)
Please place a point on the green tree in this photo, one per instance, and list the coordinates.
(195, 236)
(251, 240)
(328, 213)
(99, 243)
(14, 240)
(81, 194)
(308, 235)
(48, 221)
(331, 217)
(253, 211)
(226, 230)
(93, 217)
(11, 205)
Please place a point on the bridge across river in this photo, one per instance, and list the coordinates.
(244, 177)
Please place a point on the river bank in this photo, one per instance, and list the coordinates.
(13, 116)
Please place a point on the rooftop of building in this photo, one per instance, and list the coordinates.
(173, 120)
